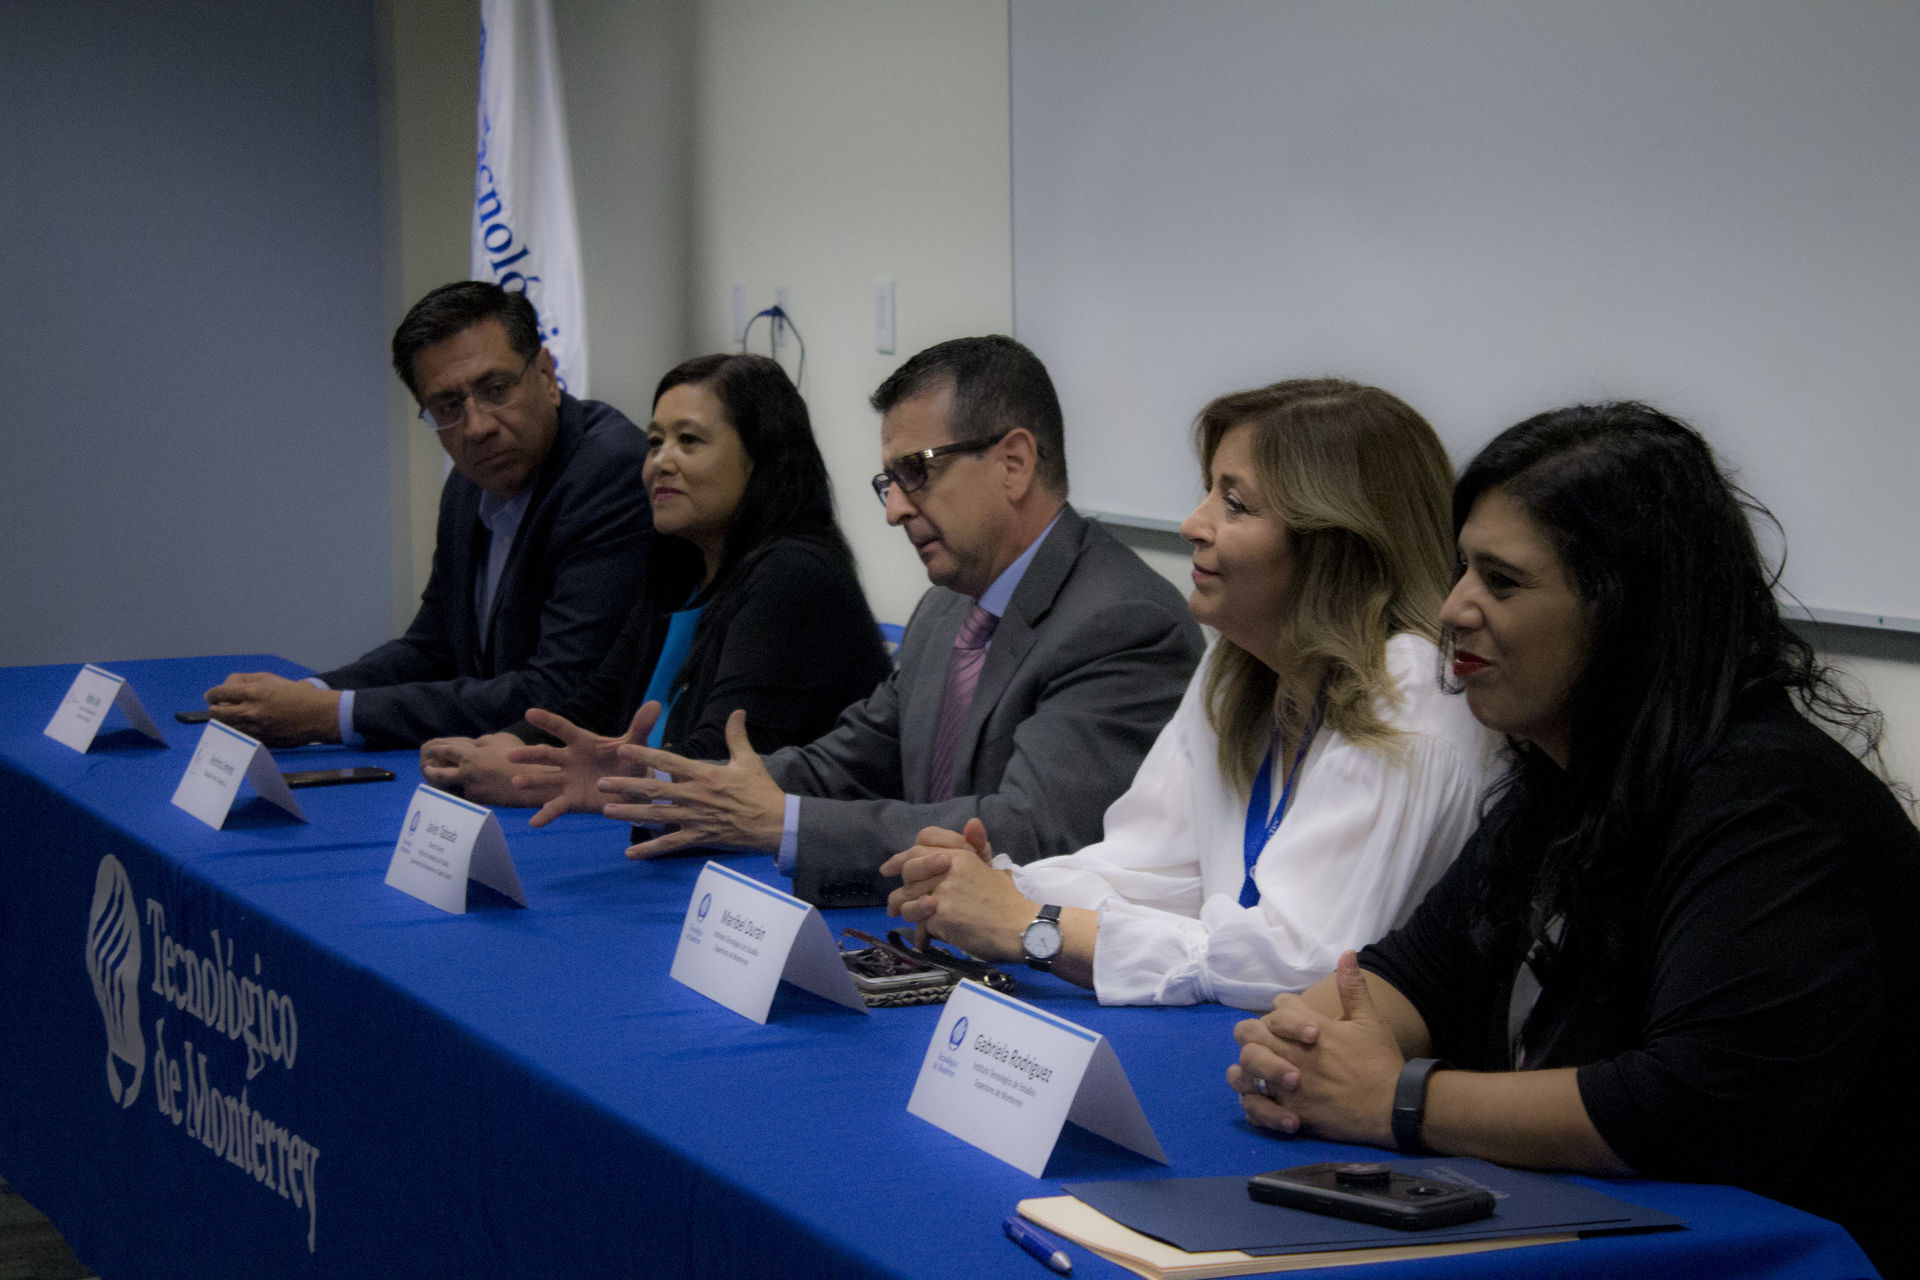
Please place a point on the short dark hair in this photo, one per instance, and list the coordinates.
(453, 308)
(788, 490)
(1659, 546)
(997, 385)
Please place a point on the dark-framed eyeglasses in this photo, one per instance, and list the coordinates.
(446, 411)
(911, 473)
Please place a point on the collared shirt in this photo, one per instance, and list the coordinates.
(994, 600)
(502, 517)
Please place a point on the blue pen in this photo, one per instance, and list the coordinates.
(1039, 1244)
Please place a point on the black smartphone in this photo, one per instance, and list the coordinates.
(193, 717)
(334, 777)
(1370, 1192)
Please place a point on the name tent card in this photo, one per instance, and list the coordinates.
(1005, 1077)
(446, 841)
(741, 938)
(223, 759)
(93, 693)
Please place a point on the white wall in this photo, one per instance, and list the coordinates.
(1492, 208)
(432, 82)
(840, 140)
(627, 72)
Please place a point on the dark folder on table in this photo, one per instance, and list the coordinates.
(1201, 1215)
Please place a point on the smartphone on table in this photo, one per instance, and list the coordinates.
(336, 777)
(1371, 1192)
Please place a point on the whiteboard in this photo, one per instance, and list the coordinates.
(1490, 208)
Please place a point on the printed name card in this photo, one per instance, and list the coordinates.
(1005, 1077)
(93, 693)
(446, 841)
(224, 758)
(741, 938)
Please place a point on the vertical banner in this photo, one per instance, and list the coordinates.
(525, 237)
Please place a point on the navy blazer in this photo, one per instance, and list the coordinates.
(578, 563)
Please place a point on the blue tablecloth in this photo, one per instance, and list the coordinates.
(526, 1092)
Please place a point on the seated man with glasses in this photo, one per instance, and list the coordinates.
(1032, 678)
(542, 545)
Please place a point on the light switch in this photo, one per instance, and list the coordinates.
(883, 315)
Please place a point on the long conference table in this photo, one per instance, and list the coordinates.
(291, 1069)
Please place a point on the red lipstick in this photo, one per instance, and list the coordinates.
(1466, 665)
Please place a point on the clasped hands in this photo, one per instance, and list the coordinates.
(952, 893)
(730, 804)
(1302, 1070)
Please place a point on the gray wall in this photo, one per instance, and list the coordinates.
(193, 347)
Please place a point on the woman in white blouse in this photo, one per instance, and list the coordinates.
(1315, 781)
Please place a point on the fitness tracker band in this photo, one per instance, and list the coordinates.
(1410, 1104)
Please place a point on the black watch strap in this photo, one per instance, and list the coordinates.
(1051, 914)
(1410, 1104)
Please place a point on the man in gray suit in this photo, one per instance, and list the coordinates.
(1032, 678)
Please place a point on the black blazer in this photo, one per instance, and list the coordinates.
(789, 637)
(578, 563)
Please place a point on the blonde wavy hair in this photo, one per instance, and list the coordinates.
(1365, 489)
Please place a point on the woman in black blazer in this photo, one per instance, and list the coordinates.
(751, 604)
(1681, 944)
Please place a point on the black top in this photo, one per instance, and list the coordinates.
(1761, 1030)
(788, 636)
(577, 564)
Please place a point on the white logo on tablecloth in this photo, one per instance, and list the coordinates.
(194, 1087)
(113, 963)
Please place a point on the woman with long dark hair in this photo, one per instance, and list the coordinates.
(751, 605)
(1313, 784)
(1682, 943)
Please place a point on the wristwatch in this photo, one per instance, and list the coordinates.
(1042, 939)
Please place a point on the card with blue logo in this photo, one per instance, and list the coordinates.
(94, 692)
(223, 759)
(446, 841)
(1006, 1077)
(742, 938)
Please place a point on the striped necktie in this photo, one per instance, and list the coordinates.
(963, 676)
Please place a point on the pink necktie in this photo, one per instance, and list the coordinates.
(969, 655)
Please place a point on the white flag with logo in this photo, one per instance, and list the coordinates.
(525, 237)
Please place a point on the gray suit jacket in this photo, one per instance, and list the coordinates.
(1087, 664)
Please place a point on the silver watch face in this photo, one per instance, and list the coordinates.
(1042, 939)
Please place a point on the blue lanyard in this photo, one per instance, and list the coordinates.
(1260, 827)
